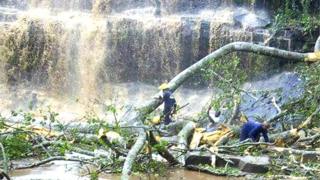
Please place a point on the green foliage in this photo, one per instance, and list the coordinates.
(226, 74)
(291, 15)
(286, 165)
(111, 108)
(230, 171)
(229, 68)
(311, 97)
(161, 146)
(16, 142)
(16, 145)
(28, 118)
(150, 167)
(62, 148)
(94, 175)
(2, 123)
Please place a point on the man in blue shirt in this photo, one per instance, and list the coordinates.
(253, 130)
(169, 101)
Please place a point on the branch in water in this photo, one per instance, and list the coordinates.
(48, 160)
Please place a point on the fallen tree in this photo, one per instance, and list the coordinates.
(138, 115)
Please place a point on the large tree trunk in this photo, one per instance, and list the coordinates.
(183, 137)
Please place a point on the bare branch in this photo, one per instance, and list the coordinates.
(48, 160)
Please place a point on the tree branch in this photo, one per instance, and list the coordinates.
(235, 111)
(292, 151)
(45, 161)
(133, 154)
(247, 144)
(163, 152)
(308, 121)
(183, 136)
(5, 160)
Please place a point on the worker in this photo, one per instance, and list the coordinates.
(34, 101)
(170, 105)
(253, 130)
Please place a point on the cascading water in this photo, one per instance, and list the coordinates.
(75, 53)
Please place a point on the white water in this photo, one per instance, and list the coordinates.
(85, 33)
(120, 95)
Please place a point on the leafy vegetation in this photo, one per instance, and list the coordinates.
(150, 167)
(311, 97)
(297, 14)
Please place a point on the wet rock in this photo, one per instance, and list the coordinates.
(250, 20)
(284, 87)
(197, 158)
(292, 39)
(206, 158)
(249, 164)
(253, 164)
(310, 157)
(222, 161)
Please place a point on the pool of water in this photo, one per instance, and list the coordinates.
(72, 170)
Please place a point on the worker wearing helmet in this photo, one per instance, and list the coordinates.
(169, 101)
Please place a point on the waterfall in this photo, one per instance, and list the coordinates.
(79, 49)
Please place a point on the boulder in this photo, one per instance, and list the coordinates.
(249, 164)
(253, 164)
(310, 157)
(281, 88)
(206, 158)
(197, 158)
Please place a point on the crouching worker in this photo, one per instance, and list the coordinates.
(169, 101)
(253, 130)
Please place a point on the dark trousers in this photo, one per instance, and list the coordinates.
(167, 116)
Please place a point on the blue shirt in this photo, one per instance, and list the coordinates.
(253, 130)
(168, 100)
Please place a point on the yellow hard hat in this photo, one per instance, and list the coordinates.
(156, 120)
(164, 86)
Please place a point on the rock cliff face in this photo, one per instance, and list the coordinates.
(64, 48)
